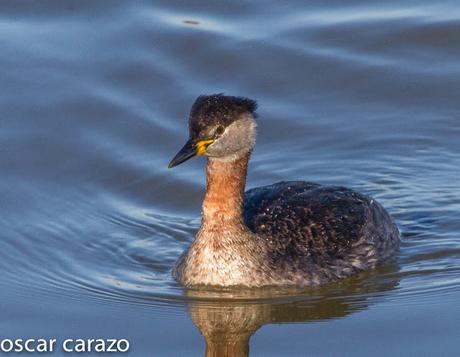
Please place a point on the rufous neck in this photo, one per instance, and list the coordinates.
(226, 180)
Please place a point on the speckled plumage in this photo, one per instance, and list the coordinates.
(289, 233)
(326, 232)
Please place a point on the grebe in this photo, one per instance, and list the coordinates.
(289, 233)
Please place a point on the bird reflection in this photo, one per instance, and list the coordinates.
(228, 319)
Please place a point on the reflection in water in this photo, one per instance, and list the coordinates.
(358, 93)
(228, 319)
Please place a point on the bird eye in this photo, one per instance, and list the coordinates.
(219, 130)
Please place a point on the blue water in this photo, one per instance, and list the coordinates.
(94, 104)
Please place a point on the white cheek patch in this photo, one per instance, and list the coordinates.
(238, 137)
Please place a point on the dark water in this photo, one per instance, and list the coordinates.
(94, 103)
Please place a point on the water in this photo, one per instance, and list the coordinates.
(94, 104)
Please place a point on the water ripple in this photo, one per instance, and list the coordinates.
(96, 102)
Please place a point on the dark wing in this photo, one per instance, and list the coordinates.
(306, 219)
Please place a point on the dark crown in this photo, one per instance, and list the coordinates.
(210, 111)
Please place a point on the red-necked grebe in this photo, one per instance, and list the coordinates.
(288, 233)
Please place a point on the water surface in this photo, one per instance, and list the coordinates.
(94, 104)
